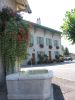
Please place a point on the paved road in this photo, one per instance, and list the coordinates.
(65, 70)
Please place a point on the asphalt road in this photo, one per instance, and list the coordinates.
(65, 70)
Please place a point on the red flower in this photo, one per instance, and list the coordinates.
(21, 30)
(22, 35)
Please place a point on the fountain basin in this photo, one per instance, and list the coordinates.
(30, 85)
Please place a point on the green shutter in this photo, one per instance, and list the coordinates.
(37, 40)
(32, 40)
(47, 41)
(42, 40)
(50, 42)
(55, 43)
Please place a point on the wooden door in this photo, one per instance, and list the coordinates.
(49, 55)
(33, 58)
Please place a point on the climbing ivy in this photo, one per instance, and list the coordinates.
(14, 37)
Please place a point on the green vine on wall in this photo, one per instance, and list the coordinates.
(14, 37)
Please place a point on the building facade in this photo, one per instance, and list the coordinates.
(45, 42)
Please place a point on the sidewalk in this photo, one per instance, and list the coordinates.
(63, 89)
(44, 65)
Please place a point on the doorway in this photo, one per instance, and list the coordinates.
(49, 55)
(33, 58)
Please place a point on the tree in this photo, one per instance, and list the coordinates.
(66, 51)
(62, 48)
(14, 39)
(68, 26)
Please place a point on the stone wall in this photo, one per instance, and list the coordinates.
(1, 71)
(8, 3)
(29, 86)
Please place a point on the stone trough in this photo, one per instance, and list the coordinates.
(30, 85)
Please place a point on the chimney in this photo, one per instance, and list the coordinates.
(39, 21)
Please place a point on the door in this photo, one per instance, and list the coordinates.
(33, 58)
(49, 55)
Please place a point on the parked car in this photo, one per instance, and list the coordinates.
(68, 58)
(61, 58)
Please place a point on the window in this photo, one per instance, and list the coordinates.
(48, 41)
(41, 53)
(55, 43)
(40, 40)
(56, 54)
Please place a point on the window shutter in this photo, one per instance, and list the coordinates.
(50, 42)
(37, 40)
(47, 41)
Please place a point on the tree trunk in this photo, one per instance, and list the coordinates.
(3, 87)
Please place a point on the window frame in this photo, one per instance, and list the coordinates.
(56, 43)
(48, 41)
(40, 40)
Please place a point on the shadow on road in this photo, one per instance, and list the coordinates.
(3, 95)
(58, 95)
(51, 64)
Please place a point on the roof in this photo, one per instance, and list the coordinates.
(44, 27)
(22, 5)
(16, 5)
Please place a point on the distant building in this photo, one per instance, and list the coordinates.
(44, 41)
(16, 5)
(72, 55)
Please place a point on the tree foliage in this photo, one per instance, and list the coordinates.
(14, 37)
(68, 26)
(66, 51)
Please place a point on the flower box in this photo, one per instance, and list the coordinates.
(50, 46)
(57, 47)
(41, 45)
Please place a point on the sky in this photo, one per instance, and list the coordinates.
(51, 13)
